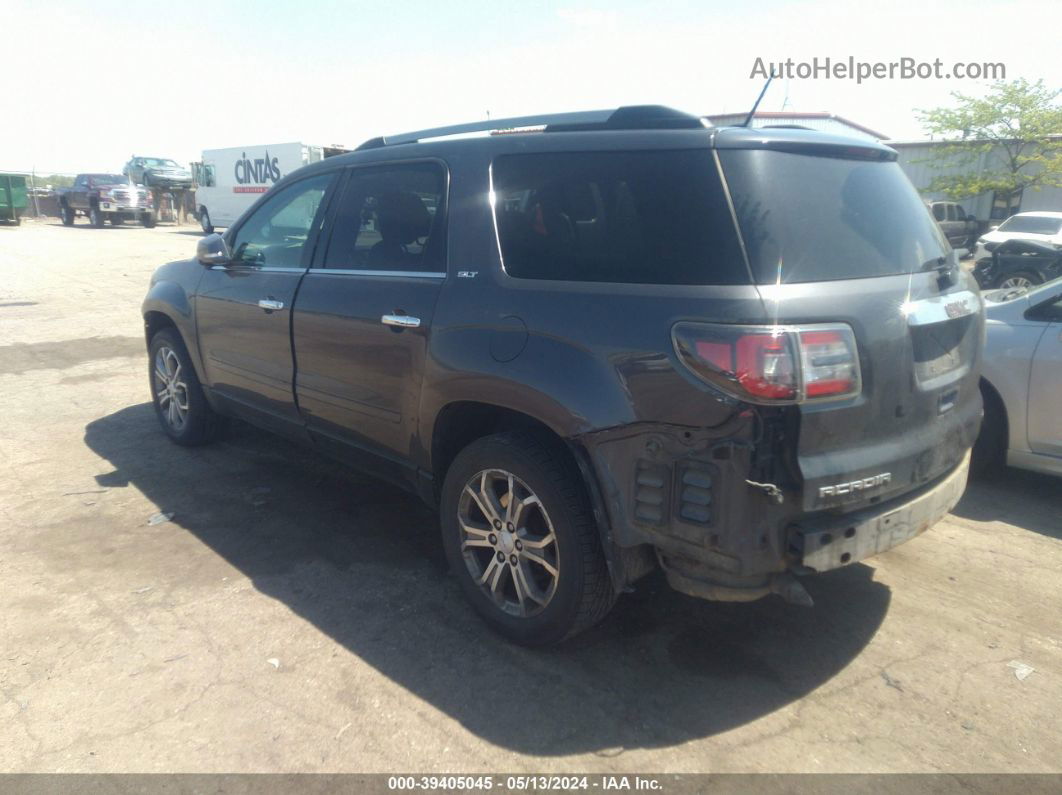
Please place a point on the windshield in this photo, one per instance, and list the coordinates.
(108, 179)
(158, 162)
(1032, 224)
(807, 218)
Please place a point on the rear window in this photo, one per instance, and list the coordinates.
(629, 217)
(806, 218)
(1032, 224)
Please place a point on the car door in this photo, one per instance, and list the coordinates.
(78, 196)
(1045, 381)
(363, 315)
(243, 309)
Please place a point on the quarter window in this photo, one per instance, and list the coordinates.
(624, 217)
(276, 233)
(391, 219)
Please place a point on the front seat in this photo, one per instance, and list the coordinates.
(401, 219)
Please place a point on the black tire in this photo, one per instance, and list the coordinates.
(147, 220)
(96, 218)
(116, 220)
(204, 221)
(200, 423)
(67, 215)
(1032, 277)
(990, 449)
(582, 594)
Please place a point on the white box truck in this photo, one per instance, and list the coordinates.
(228, 181)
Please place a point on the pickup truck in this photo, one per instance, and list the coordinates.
(105, 197)
(959, 227)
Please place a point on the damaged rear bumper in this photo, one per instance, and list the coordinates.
(682, 496)
(827, 542)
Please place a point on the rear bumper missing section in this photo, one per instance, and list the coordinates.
(823, 544)
(831, 542)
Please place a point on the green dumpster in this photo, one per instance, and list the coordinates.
(12, 197)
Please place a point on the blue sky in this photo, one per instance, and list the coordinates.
(99, 81)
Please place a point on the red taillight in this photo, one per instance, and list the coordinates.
(765, 366)
(772, 364)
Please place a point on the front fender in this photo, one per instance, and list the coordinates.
(170, 299)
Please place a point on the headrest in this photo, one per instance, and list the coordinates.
(402, 217)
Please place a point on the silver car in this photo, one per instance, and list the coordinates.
(1022, 379)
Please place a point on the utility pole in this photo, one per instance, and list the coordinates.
(33, 192)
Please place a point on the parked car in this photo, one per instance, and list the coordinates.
(105, 197)
(1022, 379)
(1019, 263)
(158, 172)
(1045, 227)
(596, 356)
(228, 181)
(959, 227)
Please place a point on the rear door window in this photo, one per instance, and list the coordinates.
(808, 218)
(939, 212)
(391, 218)
(626, 217)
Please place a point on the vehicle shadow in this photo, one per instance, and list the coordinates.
(363, 562)
(1024, 499)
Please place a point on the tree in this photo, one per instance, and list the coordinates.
(1006, 141)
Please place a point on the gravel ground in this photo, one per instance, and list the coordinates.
(295, 616)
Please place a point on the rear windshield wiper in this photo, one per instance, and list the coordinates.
(945, 271)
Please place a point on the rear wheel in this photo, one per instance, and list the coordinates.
(204, 220)
(181, 407)
(67, 214)
(1019, 280)
(519, 535)
(96, 218)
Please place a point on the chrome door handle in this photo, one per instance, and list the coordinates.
(269, 304)
(402, 321)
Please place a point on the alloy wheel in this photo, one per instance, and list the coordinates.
(1016, 282)
(508, 542)
(171, 390)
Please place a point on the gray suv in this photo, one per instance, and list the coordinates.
(158, 172)
(600, 344)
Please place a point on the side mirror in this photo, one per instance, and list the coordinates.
(213, 250)
(993, 228)
(971, 217)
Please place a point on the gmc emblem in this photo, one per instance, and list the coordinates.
(855, 486)
(957, 308)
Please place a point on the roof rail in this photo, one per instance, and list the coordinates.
(630, 117)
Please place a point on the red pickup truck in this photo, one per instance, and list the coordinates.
(106, 197)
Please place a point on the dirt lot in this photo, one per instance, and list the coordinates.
(295, 616)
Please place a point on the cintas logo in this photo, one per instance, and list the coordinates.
(259, 171)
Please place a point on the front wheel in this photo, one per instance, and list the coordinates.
(147, 220)
(520, 536)
(67, 214)
(1019, 280)
(96, 218)
(204, 221)
(116, 220)
(181, 407)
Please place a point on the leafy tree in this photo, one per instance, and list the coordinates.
(1006, 141)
